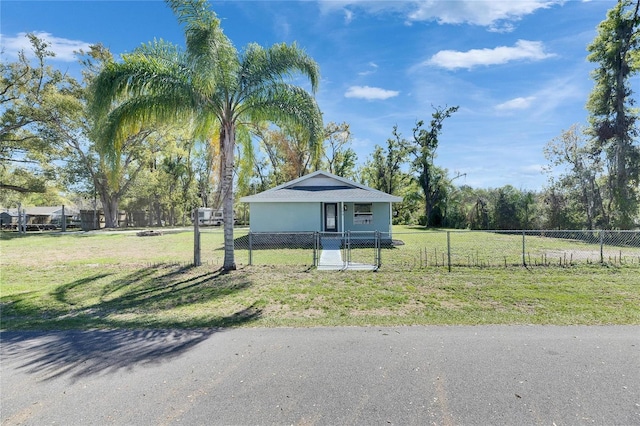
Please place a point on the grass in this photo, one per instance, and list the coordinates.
(112, 280)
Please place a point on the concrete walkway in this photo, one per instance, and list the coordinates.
(331, 258)
(484, 375)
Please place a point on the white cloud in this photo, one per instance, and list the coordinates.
(523, 50)
(498, 15)
(62, 47)
(373, 67)
(490, 13)
(347, 6)
(348, 16)
(282, 27)
(557, 94)
(516, 104)
(532, 169)
(369, 93)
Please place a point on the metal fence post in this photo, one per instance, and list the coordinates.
(315, 248)
(250, 248)
(347, 248)
(21, 220)
(196, 239)
(378, 249)
(524, 259)
(449, 250)
(602, 246)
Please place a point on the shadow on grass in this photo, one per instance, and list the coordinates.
(422, 228)
(98, 342)
(133, 301)
(13, 235)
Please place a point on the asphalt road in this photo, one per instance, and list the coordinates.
(499, 375)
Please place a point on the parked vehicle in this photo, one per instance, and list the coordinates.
(209, 217)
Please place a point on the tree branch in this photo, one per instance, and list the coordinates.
(20, 189)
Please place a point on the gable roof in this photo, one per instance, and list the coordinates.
(321, 186)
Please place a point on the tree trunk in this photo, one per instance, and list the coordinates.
(227, 138)
(425, 183)
(110, 208)
(109, 199)
(624, 196)
(158, 209)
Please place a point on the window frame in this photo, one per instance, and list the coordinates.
(362, 213)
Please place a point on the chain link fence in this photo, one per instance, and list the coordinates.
(417, 249)
(350, 250)
(514, 248)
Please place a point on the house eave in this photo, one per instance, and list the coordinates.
(321, 200)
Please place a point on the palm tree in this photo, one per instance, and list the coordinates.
(210, 87)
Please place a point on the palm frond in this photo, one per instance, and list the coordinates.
(245, 157)
(192, 13)
(284, 102)
(213, 57)
(137, 113)
(287, 105)
(274, 64)
(150, 68)
(206, 125)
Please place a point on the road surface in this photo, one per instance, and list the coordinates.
(499, 375)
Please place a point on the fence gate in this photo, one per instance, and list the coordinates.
(348, 251)
(327, 250)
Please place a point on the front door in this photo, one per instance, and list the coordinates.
(331, 217)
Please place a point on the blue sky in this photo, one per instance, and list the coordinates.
(517, 69)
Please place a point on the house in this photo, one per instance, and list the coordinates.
(49, 216)
(8, 218)
(321, 202)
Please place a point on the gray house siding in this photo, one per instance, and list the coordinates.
(285, 217)
(307, 217)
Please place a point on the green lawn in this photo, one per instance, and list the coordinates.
(113, 280)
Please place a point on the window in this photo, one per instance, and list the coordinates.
(362, 214)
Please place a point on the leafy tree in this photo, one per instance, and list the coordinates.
(613, 120)
(506, 208)
(373, 172)
(383, 171)
(45, 126)
(558, 211)
(28, 91)
(205, 162)
(210, 85)
(87, 168)
(286, 154)
(423, 149)
(166, 188)
(528, 210)
(339, 158)
(296, 156)
(580, 179)
(268, 167)
(472, 208)
(449, 205)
